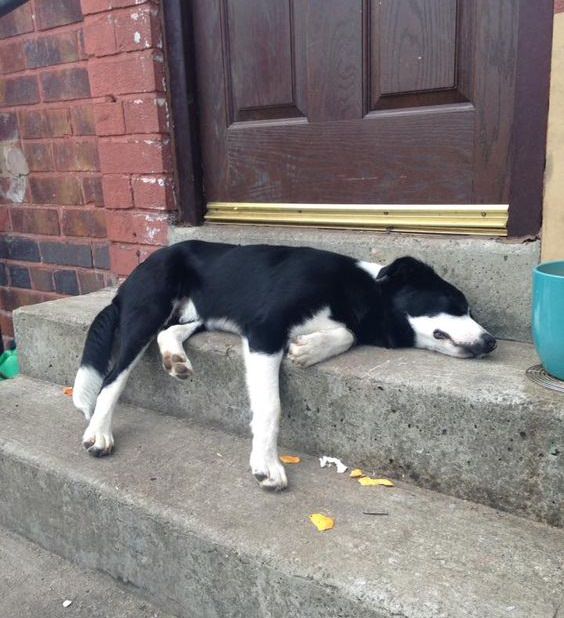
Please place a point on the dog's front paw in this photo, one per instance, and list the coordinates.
(269, 473)
(307, 350)
(98, 443)
(177, 365)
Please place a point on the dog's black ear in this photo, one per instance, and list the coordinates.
(404, 269)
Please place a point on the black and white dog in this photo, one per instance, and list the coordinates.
(311, 304)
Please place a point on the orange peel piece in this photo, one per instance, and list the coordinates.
(370, 482)
(290, 459)
(356, 473)
(67, 391)
(322, 522)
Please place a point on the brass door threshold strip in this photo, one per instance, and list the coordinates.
(481, 219)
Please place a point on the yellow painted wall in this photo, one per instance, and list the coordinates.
(553, 208)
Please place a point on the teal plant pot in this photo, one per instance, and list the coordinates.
(548, 316)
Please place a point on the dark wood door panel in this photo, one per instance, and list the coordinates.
(399, 157)
(259, 57)
(333, 54)
(414, 43)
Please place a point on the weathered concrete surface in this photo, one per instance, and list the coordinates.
(476, 429)
(176, 513)
(494, 274)
(34, 583)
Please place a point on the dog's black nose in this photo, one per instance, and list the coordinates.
(489, 342)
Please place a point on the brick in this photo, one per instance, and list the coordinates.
(52, 13)
(141, 228)
(51, 50)
(60, 190)
(65, 84)
(17, 22)
(8, 126)
(6, 325)
(3, 274)
(19, 276)
(35, 220)
(127, 74)
(101, 256)
(145, 114)
(23, 249)
(153, 192)
(42, 279)
(97, 6)
(66, 282)
(82, 120)
(109, 119)
(124, 258)
(57, 123)
(19, 91)
(137, 28)
(32, 124)
(131, 156)
(49, 123)
(13, 298)
(78, 156)
(81, 222)
(38, 156)
(99, 35)
(92, 190)
(117, 191)
(4, 219)
(90, 281)
(12, 57)
(66, 253)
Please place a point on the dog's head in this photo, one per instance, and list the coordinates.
(435, 311)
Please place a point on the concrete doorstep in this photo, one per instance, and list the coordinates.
(35, 583)
(176, 513)
(475, 429)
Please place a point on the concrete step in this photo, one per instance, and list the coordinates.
(35, 583)
(176, 513)
(475, 429)
(494, 273)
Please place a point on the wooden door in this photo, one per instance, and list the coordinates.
(356, 101)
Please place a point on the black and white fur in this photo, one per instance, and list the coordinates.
(307, 303)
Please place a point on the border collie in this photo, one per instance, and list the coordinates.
(308, 303)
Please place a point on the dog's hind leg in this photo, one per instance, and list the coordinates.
(174, 359)
(307, 350)
(135, 336)
(262, 371)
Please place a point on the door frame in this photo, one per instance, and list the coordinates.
(527, 152)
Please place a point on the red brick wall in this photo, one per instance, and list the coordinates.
(85, 161)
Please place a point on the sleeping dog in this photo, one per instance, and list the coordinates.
(307, 303)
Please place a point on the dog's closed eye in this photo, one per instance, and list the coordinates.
(440, 334)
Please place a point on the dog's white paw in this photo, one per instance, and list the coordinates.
(177, 365)
(307, 350)
(269, 472)
(98, 442)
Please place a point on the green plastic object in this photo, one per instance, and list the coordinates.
(9, 366)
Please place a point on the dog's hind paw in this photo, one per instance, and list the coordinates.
(271, 475)
(307, 350)
(98, 443)
(177, 365)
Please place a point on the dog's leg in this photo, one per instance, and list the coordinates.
(98, 438)
(262, 383)
(137, 328)
(310, 349)
(174, 359)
